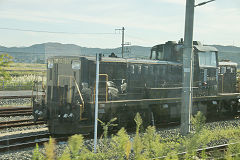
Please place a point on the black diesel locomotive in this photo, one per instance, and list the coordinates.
(151, 87)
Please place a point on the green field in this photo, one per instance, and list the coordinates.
(23, 76)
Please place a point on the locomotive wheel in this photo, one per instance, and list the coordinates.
(233, 108)
(229, 106)
(213, 110)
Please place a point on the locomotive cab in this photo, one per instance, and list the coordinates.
(205, 80)
(227, 73)
(205, 70)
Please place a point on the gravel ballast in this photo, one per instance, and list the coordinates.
(15, 129)
(14, 118)
(17, 101)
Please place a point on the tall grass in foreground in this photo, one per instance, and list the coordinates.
(22, 76)
(25, 82)
(148, 145)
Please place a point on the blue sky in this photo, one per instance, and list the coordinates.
(147, 22)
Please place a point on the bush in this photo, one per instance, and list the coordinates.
(36, 154)
(149, 144)
(50, 148)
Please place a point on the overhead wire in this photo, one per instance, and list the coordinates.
(71, 33)
(54, 32)
(140, 39)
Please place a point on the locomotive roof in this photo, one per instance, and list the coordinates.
(117, 60)
(132, 60)
(197, 46)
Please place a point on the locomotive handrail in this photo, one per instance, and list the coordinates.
(34, 86)
(79, 92)
(32, 98)
(106, 99)
(222, 82)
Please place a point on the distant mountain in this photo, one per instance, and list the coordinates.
(227, 48)
(52, 49)
(39, 52)
(70, 49)
(229, 53)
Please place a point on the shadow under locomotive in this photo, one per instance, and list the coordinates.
(151, 87)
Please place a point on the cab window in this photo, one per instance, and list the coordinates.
(207, 59)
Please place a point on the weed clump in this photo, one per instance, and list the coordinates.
(37, 155)
(148, 145)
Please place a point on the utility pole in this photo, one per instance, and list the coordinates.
(123, 44)
(122, 40)
(188, 61)
(96, 103)
(122, 30)
(188, 57)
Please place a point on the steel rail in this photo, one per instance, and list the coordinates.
(221, 147)
(23, 141)
(15, 111)
(20, 123)
(20, 142)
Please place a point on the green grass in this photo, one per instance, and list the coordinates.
(28, 65)
(23, 76)
(20, 69)
(149, 145)
(22, 73)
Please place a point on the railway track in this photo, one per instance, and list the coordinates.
(178, 123)
(26, 141)
(23, 141)
(19, 123)
(15, 111)
(209, 151)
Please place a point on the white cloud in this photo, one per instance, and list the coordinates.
(133, 19)
(23, 15)
(161, 19)
(217, 25)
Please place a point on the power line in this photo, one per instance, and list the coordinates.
(140, 39)
(50, 32)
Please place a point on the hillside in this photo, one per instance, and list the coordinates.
(39, 52)
(229, 52)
